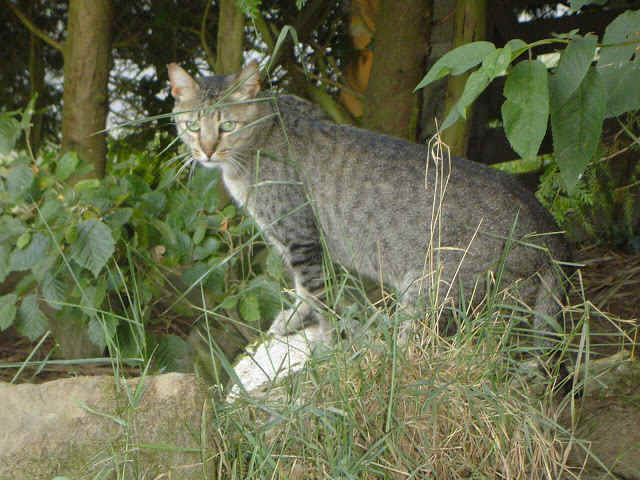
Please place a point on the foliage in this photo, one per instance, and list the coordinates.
(121, 254)
(603, 208)
(577, 96)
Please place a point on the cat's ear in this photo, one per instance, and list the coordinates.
(250, 78)
(183, 87)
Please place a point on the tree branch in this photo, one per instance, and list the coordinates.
(35, 30)
(211, 58)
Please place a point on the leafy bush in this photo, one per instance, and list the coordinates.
(120, 256)
(577, 96)
(591, 82)
(604, 207)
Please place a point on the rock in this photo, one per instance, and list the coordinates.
(268, 361)
(78, 427)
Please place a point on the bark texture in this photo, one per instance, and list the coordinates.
(470, 27)
(399, 52)
(87, 54)
(230, 38)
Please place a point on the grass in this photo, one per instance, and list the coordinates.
(457, 409)
(441, 407)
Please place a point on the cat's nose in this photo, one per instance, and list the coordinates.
(208, 152)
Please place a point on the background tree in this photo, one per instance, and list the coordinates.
(470, 26)
(87, 54)
(230, 43)
(399, 56)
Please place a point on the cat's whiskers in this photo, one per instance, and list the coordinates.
(183, 166)
(177, 158)
(237, 163)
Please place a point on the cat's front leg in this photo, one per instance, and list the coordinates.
(305, 263)
(291, 319)
(306, 311)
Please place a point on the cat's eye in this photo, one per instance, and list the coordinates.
(193, 126)
(228, 126)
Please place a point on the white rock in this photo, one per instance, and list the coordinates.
(275, 358)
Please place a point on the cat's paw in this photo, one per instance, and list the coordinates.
(287, 322)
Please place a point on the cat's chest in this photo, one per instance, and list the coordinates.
(238, 189)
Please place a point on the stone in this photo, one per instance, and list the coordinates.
(78, 427)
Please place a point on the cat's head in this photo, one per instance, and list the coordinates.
(210, 112)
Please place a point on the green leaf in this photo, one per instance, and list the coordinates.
(27, 113)
(199, 230)
(154, 202)
(51, 209)
(70, 234)
(23, 240)
(249, 308)
(137, 185)
(624, 28)
(496, 62)
(517, 47)
(577, 127)
(10, 227)
(94, 245)
(168, 177)
(118, 217)
(88, 184)
(476, 83)
(9, 133)
(206, 248)
(622, 85)
(457, 61)
(287, 29)
(4, 261)
(96, 332)
(274, 264)
(525, 111)
(229, 302)
(7, 310)
(269, 296)
(229, 211)
(95, 293)
(26, 258)
(31, 322)
(170, 352)
(493, 64)
(578, 4)
(45, 264)
(183, 246)
(211, 276)
(52, 290)
(19, 180)
(572, 68)
(66, 165)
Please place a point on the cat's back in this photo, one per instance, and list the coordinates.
(370, 178)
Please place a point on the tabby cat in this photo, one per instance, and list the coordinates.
(369, 198)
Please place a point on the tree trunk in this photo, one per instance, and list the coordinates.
(470, 26)
(86, 72)
(400, 48)
(362, 29)
(230, 45)
(230, 38)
